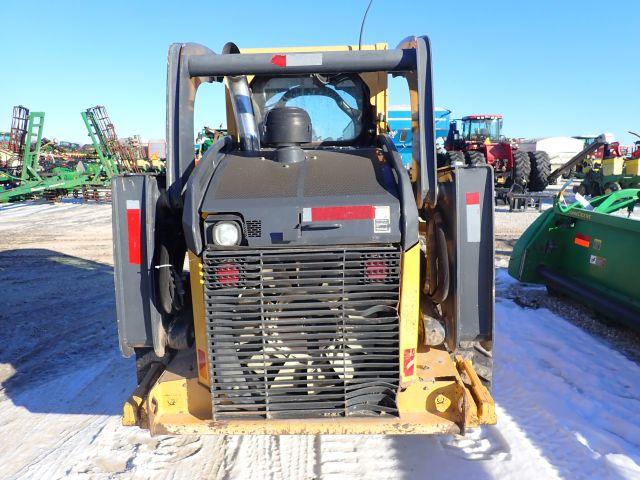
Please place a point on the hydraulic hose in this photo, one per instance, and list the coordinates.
(438, 265)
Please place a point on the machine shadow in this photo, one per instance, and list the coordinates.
(418, 454)
(58, 336)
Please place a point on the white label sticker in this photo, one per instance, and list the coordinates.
(133, 205)
(598, 261)
(382, 219)
(473, 223)
(303, 59)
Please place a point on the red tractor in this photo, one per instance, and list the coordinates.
(482, 141)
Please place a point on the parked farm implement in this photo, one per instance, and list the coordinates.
(21, 176)
(586, 250)
(611, 173)
(29, 173)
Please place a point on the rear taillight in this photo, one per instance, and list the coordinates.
(375, 270)
(227, 274)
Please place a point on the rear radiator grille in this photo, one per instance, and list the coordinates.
(297, 333)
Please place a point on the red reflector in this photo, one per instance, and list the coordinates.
(133, 236)
(582, 240)
(375, 270)
(228, 274)
(352, 212)
(473, 198)
(202, 364)
(279, 60)
(409, 361)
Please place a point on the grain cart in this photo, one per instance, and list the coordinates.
(328, 289)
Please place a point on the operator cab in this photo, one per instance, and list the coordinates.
(335, 105)
(480, 128)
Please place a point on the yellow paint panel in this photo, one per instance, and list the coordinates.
(612, 166)
(632, 167)
(196, 278)
(440, 398)
(409, 313)
(438, 402)
(485, 405)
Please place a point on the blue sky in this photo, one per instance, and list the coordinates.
(550, 67)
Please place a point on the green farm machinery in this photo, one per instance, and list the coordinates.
(602, 168)
(587, 250)
(21, 176)
(114, 156)
(24, 177)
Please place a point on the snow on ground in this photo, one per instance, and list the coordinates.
(567, 403)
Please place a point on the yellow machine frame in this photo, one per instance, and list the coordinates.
(442, 396)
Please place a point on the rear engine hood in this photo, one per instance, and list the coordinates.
(333, 197)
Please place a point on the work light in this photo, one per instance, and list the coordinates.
(226, 234)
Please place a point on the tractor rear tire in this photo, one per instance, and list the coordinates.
(450, 158)
(521, 168)
(474, 157)
(454, 157)
(540, 171)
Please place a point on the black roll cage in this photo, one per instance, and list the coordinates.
(190, 65)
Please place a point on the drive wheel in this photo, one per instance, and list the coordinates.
(474, 157)
(540, 171)
(521, 168)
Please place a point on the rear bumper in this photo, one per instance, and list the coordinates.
(446, 398)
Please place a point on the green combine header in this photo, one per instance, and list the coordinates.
(587, 250)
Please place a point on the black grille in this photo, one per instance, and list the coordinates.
(297, 333)
(254, 228)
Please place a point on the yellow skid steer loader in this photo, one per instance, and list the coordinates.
(297, 279)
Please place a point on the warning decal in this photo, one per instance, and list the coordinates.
(582, 240)
(409, 361)
(598, 261)
(297, 59)
(382, 219)
(381, 215)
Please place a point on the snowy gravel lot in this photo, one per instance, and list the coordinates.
(568, 399)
